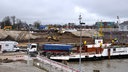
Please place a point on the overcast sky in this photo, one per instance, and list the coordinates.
(64, 11)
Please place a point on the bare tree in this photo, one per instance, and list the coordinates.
(13, 20)
(6, 22)
(37, 24)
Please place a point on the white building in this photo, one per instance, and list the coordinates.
(123, 26)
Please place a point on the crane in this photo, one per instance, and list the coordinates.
(100, 32)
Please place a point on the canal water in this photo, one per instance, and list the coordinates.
(114, 65)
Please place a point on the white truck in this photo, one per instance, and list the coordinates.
(31, 48)
(6, 46)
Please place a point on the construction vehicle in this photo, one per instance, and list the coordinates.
(61, 31)
(55, 38)
(48, 49)
(55, 49)
(7, 27)
(32, 49)
(52, 35)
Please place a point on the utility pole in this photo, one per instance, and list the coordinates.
(118, 20)
(80, 41)
(29, 34)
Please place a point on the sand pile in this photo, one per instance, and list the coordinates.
(86, 32)
(17, 35)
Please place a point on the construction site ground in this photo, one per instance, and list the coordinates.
(64, 38)
(24, 37)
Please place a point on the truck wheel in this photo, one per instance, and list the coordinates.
(44, 53)
(48, 55)
(4, 51)
(17, 51)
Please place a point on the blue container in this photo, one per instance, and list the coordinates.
(60, 47)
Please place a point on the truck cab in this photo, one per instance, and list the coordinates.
(32, 48)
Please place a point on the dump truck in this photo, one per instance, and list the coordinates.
(49, 49)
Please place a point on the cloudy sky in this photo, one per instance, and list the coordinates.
(64, 11)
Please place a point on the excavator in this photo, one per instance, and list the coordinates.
(7, 27)
(55, 38)
(52, 34)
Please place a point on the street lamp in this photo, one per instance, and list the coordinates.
(80, 42)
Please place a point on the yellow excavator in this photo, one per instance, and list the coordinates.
(7, 27)
(52, 35)
(55, 38)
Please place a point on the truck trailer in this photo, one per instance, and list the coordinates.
(56, 49)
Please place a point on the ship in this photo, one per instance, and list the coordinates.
(97, 51)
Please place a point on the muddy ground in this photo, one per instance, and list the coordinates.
(65, 38)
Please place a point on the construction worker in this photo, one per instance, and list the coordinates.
(100, 44)
(114, 41)
(84, 46)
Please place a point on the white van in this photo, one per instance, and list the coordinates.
(8, 46)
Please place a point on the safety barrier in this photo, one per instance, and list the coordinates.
(58, 65)
(19, 57)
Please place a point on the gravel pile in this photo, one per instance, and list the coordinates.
(16, 35)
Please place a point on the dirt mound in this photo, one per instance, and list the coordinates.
(16, 35)
(41, 37)
(66, 37)
(85, 33)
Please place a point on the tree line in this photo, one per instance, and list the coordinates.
(17, 24)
